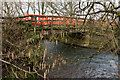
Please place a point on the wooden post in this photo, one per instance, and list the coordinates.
(35, 24)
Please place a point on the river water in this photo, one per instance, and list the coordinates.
(102, 65)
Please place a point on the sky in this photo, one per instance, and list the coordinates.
(116, 2)
(54, 0)
(31, 12)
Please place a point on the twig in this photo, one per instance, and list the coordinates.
(16, 66)
(14, 73)
(12, 44)
(7, 69)
(22, 69)
(38, 73)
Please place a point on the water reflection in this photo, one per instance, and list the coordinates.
(101, 65)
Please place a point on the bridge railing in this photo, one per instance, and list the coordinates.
(53, 20)
(42, 20)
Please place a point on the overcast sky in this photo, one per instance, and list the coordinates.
(116, 2)
(77, 1)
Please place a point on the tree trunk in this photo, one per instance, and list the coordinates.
(42, 8)
(39, 8)
(28, 7)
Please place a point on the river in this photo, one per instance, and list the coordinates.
(102, 65)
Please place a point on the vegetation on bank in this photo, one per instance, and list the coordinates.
(23, 54)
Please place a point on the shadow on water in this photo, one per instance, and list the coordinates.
(103, 65)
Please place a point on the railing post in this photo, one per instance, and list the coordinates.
(52, 22)
(31, 20)
(64, 21)
(35, 24)
(76, 22)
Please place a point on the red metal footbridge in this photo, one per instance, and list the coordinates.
(41, 20)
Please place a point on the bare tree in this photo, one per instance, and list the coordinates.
(107, 12)
(33, 7)
(38, 8)
(28, 7)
